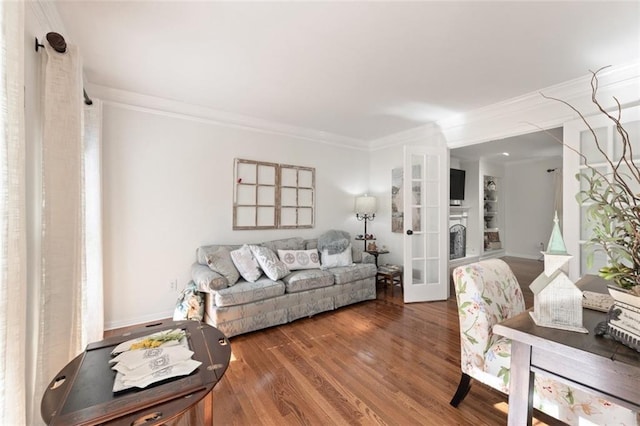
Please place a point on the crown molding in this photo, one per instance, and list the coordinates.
(176, 109)
(526, 113)
(533, 112)
(406, 137)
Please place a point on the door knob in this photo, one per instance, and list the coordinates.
(409, 232)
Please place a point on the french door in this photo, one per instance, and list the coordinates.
(426, 237)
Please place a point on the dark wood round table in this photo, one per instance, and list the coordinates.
(82, 392)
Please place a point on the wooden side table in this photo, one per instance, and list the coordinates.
(376, 253)
(390, 276)
(81, 394)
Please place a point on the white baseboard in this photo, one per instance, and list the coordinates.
(111, 325)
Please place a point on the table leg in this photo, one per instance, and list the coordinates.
(520, 385)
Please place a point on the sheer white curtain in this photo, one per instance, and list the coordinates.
(70, 306)
(13, 279)
(59, 327)
(92, 295)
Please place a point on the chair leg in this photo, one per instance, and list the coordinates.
(462, 391)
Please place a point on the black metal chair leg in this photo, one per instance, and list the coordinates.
(462, 391)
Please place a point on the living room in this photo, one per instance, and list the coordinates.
(168, 160)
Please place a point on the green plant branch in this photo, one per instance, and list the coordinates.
(614, 209)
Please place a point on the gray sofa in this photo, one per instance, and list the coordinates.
(249, 306)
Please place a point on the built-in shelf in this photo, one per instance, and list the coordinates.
(457, 212)
(491, 214)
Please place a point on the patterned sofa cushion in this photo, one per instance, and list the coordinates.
(357, 254)
(307, 279)
(295, 243)
(206, 279)
(203, 251)
(355, 272)
(246, 292)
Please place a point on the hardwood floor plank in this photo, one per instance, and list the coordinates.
(380, 362)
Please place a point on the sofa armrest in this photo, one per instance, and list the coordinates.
(207, 280)
(368, 258)
(360, 256)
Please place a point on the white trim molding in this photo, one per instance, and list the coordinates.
(526, 113)
(416, 135)
(532, 112)
(176, 109)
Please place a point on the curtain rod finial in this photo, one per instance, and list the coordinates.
(38, 45)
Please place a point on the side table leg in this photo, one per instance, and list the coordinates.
(520, 385)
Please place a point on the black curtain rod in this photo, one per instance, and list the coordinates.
(60, 45)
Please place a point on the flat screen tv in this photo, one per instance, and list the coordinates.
(456, 186)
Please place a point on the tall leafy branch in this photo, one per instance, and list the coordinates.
(613, 209)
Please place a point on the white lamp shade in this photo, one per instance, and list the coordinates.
(366, 205)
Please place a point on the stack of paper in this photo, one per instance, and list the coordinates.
(142, 367)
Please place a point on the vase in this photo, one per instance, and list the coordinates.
(623, 319)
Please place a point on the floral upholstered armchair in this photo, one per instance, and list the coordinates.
(487, 293)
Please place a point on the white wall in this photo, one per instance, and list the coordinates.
(383, 161)
(168, 185)
(529, 199)
(527, 196)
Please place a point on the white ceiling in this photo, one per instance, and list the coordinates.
(362, 70)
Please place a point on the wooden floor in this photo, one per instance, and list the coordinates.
(376, 362)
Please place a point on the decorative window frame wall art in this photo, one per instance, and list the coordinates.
(273, 196)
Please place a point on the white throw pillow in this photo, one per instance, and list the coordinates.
(339, 259)
(269, 262)
(246, 264)
(300, 259)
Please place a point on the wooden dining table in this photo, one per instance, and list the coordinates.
(596, 364)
